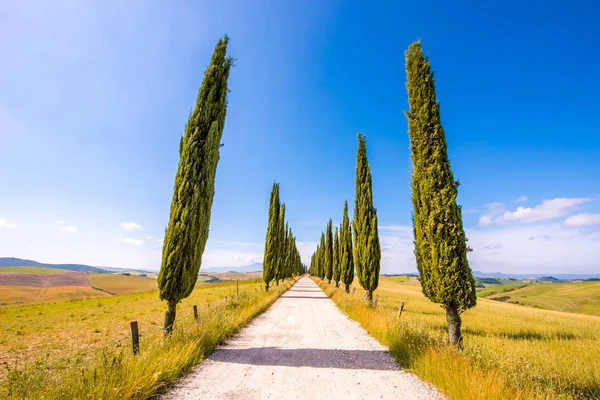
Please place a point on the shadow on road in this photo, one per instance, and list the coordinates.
(316, 358)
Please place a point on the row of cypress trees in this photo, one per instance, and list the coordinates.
(337, 256)
(439, 237)
(282, 258)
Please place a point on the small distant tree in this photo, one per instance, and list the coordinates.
(440, 242)
(336, 260)
(367, 251)
(272, 254)
(346, 257)
(189, 219)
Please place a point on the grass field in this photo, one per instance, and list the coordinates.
(511, 351)
(15, 295)
(122, 284)
(576, 297)
(82, 349)
(31, 270)
(490, 290)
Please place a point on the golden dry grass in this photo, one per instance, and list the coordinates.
(123, 284)
(82, 349)
(511, 351)
(13, 295)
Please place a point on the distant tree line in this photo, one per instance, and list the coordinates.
(281, 259)
(354, 249)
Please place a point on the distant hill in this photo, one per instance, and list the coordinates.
(19, 262)
(554, 277)
(256, 267)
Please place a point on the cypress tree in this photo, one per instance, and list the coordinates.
(367, 252)
(329, 252)
(346, 257)
(280, 261)
(271, 257)
(194, 188)
(336, 258)
(321, 256)
(440, 242)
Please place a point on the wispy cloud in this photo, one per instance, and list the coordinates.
(521, 199)
(69, 229)
(60, 221)
(583, 220)
(547, 210)
(130, 226)
(135, 242)
(5, 224)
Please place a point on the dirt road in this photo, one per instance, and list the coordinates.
(302, 347)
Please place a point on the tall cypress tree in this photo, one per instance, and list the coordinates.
(367, 252)
(271, 257)
(194, 189)
(329, 251)
(440, 242)
(336, 258)
(346, 257)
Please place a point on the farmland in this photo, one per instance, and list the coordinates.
(575, 297)
(45, 347)
(511, 351)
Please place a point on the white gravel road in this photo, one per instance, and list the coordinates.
(302, 347)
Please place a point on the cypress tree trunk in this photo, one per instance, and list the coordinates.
(194, 188)
(370, 297)
(454, 325)
(170, 317)
(440, 242)
(266, 286)
(347, 289)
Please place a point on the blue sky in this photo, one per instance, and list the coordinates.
(94, 97)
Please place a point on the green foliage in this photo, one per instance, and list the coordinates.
(321, 256)
(346, 257)
(281, 245)
(270, 259)
(440, 243)
(329, 251)
(367, 251)
(336, 258)
(187, 231)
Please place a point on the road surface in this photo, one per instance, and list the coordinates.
(302, 347)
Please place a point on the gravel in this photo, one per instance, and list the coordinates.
(302, 347)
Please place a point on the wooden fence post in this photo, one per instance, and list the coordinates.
(135, 337)
(400, 309)
(237, 289)
(196, 313)
(375, 302)
(353, 289)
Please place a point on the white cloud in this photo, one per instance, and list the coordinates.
(548, 210)
(60, 221)
(5, 224)
(521, 199)
(69, 229)
(539, 248)
(583, 220)
(130, 226)
(135, 242)
(148, 237)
